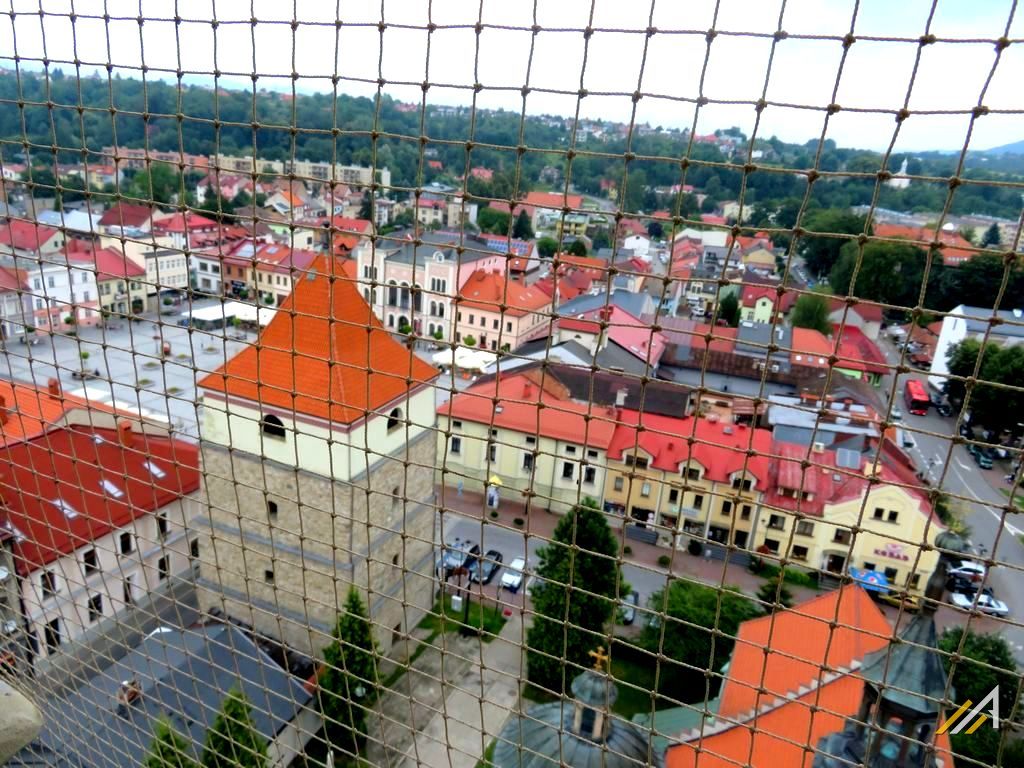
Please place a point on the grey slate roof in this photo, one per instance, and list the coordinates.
(544, 737)
(630, 302)
(752, 340)
(447, 243)
(977, 321)
(912, 668)
(185, 675)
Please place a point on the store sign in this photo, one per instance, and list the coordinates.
(893, 551)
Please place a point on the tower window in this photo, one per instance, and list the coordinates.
(271, 426)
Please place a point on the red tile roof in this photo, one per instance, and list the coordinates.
(710, 218)
(751, 293)
(53, 487)
(870, 313)
(554, 200)
(811, 348)
(111, 264)
(346, 232)
(625, 330)
(26, 235)
(12, 279)
(317, 357)
(719, 448)
(31, 410)
(859, 352)
(521, 410)
(492, 292)
(126, 215)
(281, 259)
(955, 249)
(184, 222)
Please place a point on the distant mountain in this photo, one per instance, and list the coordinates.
(1016, 148)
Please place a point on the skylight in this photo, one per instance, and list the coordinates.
(69, 512)
(111, 489)
(154, 470)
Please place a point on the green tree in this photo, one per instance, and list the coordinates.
(654, 229)
(577, 248)
(811, 311)
(821, 251)
(159, 184)
(523, 228)
(546, 247)
(366, 207)
(691, 612)
(215, 205)
(579, 578)
(494, 221)
(890, 273)
(766, 593)
(992, 238)
(233, 741)
(987, 662)
(601, 239)
(169, 748)
(636, 187)
(729, 309)
(348, 682)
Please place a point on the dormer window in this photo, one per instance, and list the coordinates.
(741, 483)
(692, 473)
(272, 426)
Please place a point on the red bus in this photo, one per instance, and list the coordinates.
(916, 397)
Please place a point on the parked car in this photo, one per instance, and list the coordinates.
(627, 611)
(485, 568)
(983, 601)
(457, 556)
(981, 455)
(966, 431)
(944, 409)
(910, 603)
(897, 414)
(512, 578)
(968, 570)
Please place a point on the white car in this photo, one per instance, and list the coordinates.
(968, 569)
(987, 603)
(512, 578)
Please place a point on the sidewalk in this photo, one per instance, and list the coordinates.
(541, 524)
(477, 705)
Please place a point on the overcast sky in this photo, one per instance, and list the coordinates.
(877, 74)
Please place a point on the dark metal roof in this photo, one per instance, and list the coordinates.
(185, 675)
(909, 674)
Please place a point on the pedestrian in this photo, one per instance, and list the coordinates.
(458, 487)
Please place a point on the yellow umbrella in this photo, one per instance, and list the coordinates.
(495, 480)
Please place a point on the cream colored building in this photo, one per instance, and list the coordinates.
(311, 495)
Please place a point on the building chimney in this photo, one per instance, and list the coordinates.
(3, 410)
(124, 433)
(53, 387)
(620, 397)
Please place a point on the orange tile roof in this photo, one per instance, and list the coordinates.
(955, 249)
(491, 292)
(317, 358)
(801, 641)
(521, 410)
(32, 410)
(813, 348)
(12, 279)
(553, 200)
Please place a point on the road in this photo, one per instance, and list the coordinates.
(952, 469)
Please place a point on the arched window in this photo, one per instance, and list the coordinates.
(391, 321)
(433, 309)
(366, 295)
(271, 426)
(417, 299)
(392, 293)
(440, 309)
(394, 419)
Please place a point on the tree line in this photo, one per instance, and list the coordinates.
(148, 117)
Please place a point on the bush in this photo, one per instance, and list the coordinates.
(664, 561)
(627, 550)
(694, 548)
(494, 514)
(519, 522)
(168, 301)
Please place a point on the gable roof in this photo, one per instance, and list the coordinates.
(316, 356)
(26, 235)
(31, 410)
(54, 488)
(553, 200)
(184, 222)
(955, 249)
(126, 215)
(492, 292)
(12, 279)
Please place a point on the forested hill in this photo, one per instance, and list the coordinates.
(151, 112)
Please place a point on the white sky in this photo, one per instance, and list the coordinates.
(876, 75)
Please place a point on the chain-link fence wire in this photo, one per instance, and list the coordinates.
(264, 532)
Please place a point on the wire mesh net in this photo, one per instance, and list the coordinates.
(453, 384)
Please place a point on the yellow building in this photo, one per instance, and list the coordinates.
(810, 516)
(120, 283)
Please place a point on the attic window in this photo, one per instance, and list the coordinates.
(154, 470)
(394, 419)
(111, 489)
(271, 426)
(69, 512)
